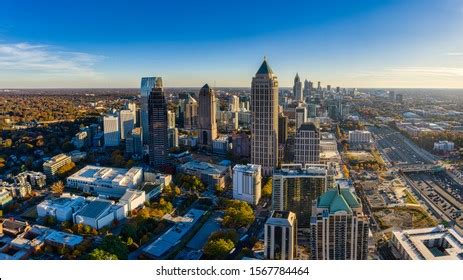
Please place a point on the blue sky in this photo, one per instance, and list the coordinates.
(364, 43)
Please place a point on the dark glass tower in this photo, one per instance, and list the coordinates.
(157, 115)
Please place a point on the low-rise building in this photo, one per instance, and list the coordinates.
(211, 174)
(133, 199)
(220, 145)
(444, 146)
(360, 138)
(247, 183)
(5, 198)
(61, 208)
(436, 243)
(99, 213)
(51, 166)
(35, 179)
(106, 181)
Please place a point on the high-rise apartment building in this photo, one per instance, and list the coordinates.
(264, 110)
(157, 111)
(300, 114)
(207, 116)
(339, 229)
(295, 187)
(190, 113)
(133, 143)
(112, 133)
(307, 89)
(280, 236)
(147, 84)
(297, 89)
(127, 123)
(307, 144)
(282, 128)
(172, 137)
(234, 103)
(170, 119)
(247, 183)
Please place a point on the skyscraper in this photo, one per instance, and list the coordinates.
(112, 133)
(127, 123)
(297, 88)
(190, 114)
(307, 144)
(339, 229)
(170, 119)
(280, 236)
(282, 128)
(207, 116)
(147, 84)
(295, 187)
(157, 111)
(300, 114)
(234, 103)
(264, 110)
(306, 91)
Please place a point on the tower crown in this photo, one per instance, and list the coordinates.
(264, 69)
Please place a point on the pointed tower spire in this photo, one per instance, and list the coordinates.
(264, 68)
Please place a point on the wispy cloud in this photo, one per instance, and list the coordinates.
(442, 72)
(454, 53)
(44, 59)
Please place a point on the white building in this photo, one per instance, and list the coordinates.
(234, 105)
(170, 119)
(360, 137)
(112, 134)
(106, 181)
(247, 183)
(127, 123)
(280, 236)
(444, 146)
(100, 213)
(51, 166)
(133, 199)
(437, 243)
(61, 208)
(300, 115)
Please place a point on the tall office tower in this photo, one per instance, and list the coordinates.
(172, 137)
(112, 133)
(282, 128)
(234, 103)
(170, 119)
(157, 111)
(319, 87)
(300, 114)
(247, 183)
(264, 110)
(207, 131)
(312, 110)
(147, 84)
(133, 144)
(297, 88)
(190, 114)
(339, 229)
(307, 144)
(328, 88)
(295, 187)
(338, 89)
(280, 236)
(127, 123)
(306, 91)
(132, 106)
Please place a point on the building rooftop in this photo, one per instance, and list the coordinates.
(338, 200)
(247, 168)
(437, 243)
(64, 238)
(298, 170)
(106, 176)
(205, 167)
(95, 208)
(281, 218)
(264, 68)
(173, 236)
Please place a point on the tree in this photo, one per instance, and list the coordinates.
(238, 214)
(114, 245)
(218, 249)
(267, 189)
(57, 188)
(99, 254)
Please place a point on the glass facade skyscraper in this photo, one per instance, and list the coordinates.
(147, 84)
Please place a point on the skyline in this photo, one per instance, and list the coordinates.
(369, 44)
